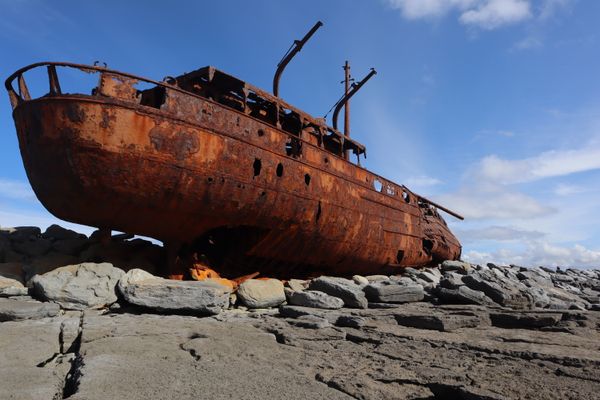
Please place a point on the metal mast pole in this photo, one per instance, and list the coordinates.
(347, 105)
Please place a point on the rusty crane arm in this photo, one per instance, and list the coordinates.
(347, 96)
(296, 47)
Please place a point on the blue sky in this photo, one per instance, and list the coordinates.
(491, 107)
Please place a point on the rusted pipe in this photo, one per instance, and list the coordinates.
(456, 215)
(348, 95)
(297, 46)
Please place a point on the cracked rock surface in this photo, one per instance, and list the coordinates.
(457, 352)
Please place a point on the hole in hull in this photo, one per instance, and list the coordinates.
(257, 166)
(279, 170)
(307, 179)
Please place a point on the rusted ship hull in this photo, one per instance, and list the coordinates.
(193, 170)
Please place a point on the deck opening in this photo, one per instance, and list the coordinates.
(427, 246)
(257, 166)
(406, 197)
(318, 211)
(307, 179)
(261, 132)
(326, 160)
(279, 170)
(263, 194)
(399, 256)
(209, 179)
(293, 147)
(154, 97)
(377, 185)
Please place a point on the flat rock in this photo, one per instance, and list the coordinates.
(456, 266)
(440, 322)
(463, 295)
(391, 292)
(350, 321)
(261, 293)
(81, 286)
(525, 320)
(15, 310)
(311, 322)
(345, 289)
(297, 285)
(31, 367)
(143, 289)
(315, 299)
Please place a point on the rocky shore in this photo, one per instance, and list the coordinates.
(86, 319)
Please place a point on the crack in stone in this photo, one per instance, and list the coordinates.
(71, 381)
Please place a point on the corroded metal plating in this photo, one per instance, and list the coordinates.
(210, 161)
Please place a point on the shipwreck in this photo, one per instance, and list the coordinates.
(210, 164)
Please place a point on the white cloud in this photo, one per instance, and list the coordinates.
(487, 202)
(421, 181)
(498, 233)
(549, 8)
(485, 14)
(545, 165)
(530, 42)
(18, 190)
(416, 9)
(492, 14)
(563, 189)
(539, 253)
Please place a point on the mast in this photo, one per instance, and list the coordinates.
(347, 105)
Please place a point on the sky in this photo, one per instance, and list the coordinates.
(489, 107)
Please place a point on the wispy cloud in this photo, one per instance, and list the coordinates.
(530, 42)
(18, 190)
(539, 253)
(545, 165)
(492, 14)
(483, 14)
(564, 189)
(485, 201)
(498, 233)
(421, 181)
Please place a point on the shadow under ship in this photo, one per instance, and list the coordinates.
(208, 160)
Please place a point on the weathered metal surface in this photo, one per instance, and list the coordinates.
(212, 162)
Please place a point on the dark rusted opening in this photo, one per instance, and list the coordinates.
(261, 133)
(279, 170)
(154, 97)
(399, 256)
(406, 197)
(307, 179)
(427, 246)
(318, 211)
(293, 147)
(257, 165)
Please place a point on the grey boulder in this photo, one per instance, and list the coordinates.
(391, 292)
(345, 289)
(80, 286)
(261, 293)
(315, 299)
(143, 289)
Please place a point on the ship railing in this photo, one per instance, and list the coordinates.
(122, 85)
